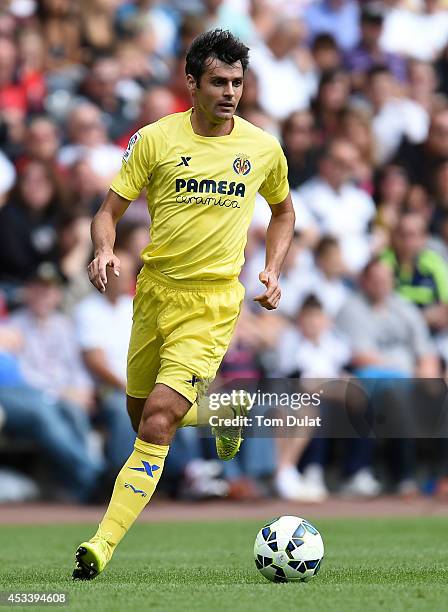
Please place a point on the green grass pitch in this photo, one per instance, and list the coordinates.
(370, 564)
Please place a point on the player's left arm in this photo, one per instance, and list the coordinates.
(278, 239)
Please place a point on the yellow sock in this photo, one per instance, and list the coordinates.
(191, 418)
(133, 489)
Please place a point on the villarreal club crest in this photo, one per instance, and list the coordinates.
(242, 165)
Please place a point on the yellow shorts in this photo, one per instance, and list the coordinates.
(180, 332)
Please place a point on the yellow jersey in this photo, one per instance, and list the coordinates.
(200, 192)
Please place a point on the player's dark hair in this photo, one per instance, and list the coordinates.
(215, 44)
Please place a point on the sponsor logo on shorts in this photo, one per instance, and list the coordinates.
(194, 379)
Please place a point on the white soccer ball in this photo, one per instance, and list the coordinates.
(288, 549)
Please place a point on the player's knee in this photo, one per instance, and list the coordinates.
(157, 427)
(159, 415)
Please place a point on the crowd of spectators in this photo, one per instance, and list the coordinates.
(357, 93)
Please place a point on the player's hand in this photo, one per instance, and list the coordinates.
(97, 269)
(271, 297)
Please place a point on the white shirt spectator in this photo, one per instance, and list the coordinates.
(324, 359)
(104, 159)
(283, 87)
(262, 214)
(397, 118)
(103, 325)
(288, 280)
(420, 36)
(344, 214)
(331, 293)
(163, 27)
(7, 175)
(255, 264)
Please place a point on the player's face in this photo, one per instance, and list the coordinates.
(219, 90)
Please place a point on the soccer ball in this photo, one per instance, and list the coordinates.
(288, 549)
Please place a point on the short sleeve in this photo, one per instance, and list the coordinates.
(139, 160)
(87, 323)
(275, 187)
(287, 347)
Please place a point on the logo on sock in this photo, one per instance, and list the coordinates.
(147, 467)
(129, 486)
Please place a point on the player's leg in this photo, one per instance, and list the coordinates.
(196, 330)
(137, 480)
(143, 365)
(191, 419)
(135, 407)
(193, 351)
(206, 316)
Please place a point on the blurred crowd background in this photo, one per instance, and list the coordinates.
(357, 93)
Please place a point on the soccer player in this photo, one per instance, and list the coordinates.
(201, 170)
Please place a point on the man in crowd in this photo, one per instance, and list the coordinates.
(390, 340)
(421, 275)
(339, 207)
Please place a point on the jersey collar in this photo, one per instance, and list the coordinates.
(189, 128)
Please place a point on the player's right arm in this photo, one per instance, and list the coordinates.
(139, 161)
(103, 238)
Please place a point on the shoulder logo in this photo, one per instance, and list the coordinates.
(132, 141)
(242, 165)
